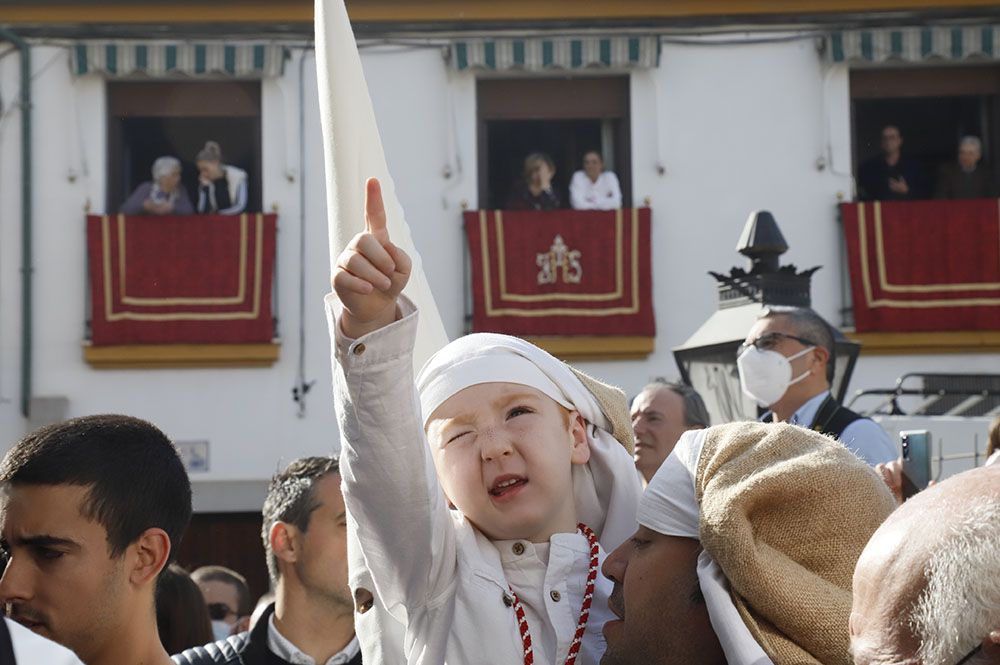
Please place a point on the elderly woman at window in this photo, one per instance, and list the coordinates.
(222, 188)
(163, 195)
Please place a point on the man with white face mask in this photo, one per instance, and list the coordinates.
(786, 364)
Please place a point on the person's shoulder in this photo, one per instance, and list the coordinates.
(215, 653)
(235, 170)
(578, 175)
(870, 440)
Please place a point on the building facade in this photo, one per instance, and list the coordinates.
(707, 110)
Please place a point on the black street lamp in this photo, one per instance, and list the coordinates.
(707, 360)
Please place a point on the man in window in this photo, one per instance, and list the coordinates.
(890, 176)
(966, 178)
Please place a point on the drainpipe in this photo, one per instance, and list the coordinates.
(26, 266)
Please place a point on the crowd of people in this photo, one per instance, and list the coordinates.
(893, 176)
(504, 507)
(222, 188)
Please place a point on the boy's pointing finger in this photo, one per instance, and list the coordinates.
(375, 222)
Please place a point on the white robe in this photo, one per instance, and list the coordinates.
(436, 574)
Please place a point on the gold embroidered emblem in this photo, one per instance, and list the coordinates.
(559, 259)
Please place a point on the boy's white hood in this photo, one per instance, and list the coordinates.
(607, 488)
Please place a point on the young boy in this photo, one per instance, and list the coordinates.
(500, 566)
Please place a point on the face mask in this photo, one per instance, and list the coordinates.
(766, 375)
(221, 630)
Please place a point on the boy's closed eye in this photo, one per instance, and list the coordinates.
(455, 437)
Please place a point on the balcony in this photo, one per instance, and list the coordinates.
(181, 291)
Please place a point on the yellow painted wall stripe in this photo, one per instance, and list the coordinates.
(387, 11)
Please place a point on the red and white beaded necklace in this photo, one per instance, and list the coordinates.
(581, 625)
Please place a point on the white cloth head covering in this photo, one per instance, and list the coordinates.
(606, 489)
(669, 506)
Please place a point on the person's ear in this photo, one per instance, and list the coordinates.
(821, 358)
(242, 624)
(580, 452)
(152, 550)
(284, 542)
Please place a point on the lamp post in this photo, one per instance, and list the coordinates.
(707, 360)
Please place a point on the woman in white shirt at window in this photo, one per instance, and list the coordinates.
(593, 188)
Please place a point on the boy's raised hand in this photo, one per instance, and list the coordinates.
(370, 272)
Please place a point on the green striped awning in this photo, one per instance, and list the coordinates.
(917, 44)
(166, 59)
(544, 53)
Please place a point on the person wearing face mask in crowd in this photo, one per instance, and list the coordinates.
(227, 597)
(786, 365)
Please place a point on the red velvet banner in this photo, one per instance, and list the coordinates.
(562, 272)
(924, 265)
(202, 279)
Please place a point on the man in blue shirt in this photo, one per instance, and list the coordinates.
(786, 364)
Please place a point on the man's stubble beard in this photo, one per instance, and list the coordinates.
(107, 618)
(336, 599)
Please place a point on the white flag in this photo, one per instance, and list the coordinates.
(352, 150)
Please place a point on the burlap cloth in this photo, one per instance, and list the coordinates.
(785, 512)
(614, 405)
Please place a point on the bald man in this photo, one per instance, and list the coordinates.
(925, 587)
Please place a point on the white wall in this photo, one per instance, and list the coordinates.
(426, 115)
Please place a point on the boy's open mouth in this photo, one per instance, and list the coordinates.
(507, 484)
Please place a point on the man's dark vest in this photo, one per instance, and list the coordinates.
(831, 418)
(243, 649)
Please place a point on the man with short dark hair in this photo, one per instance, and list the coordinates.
(227, 596)
(92, 510)
(786, 365)
(890, 176)
(660, 414)
(305, 538)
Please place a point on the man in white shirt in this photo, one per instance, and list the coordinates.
(786, 364)
(593, 188)
(311, 621)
